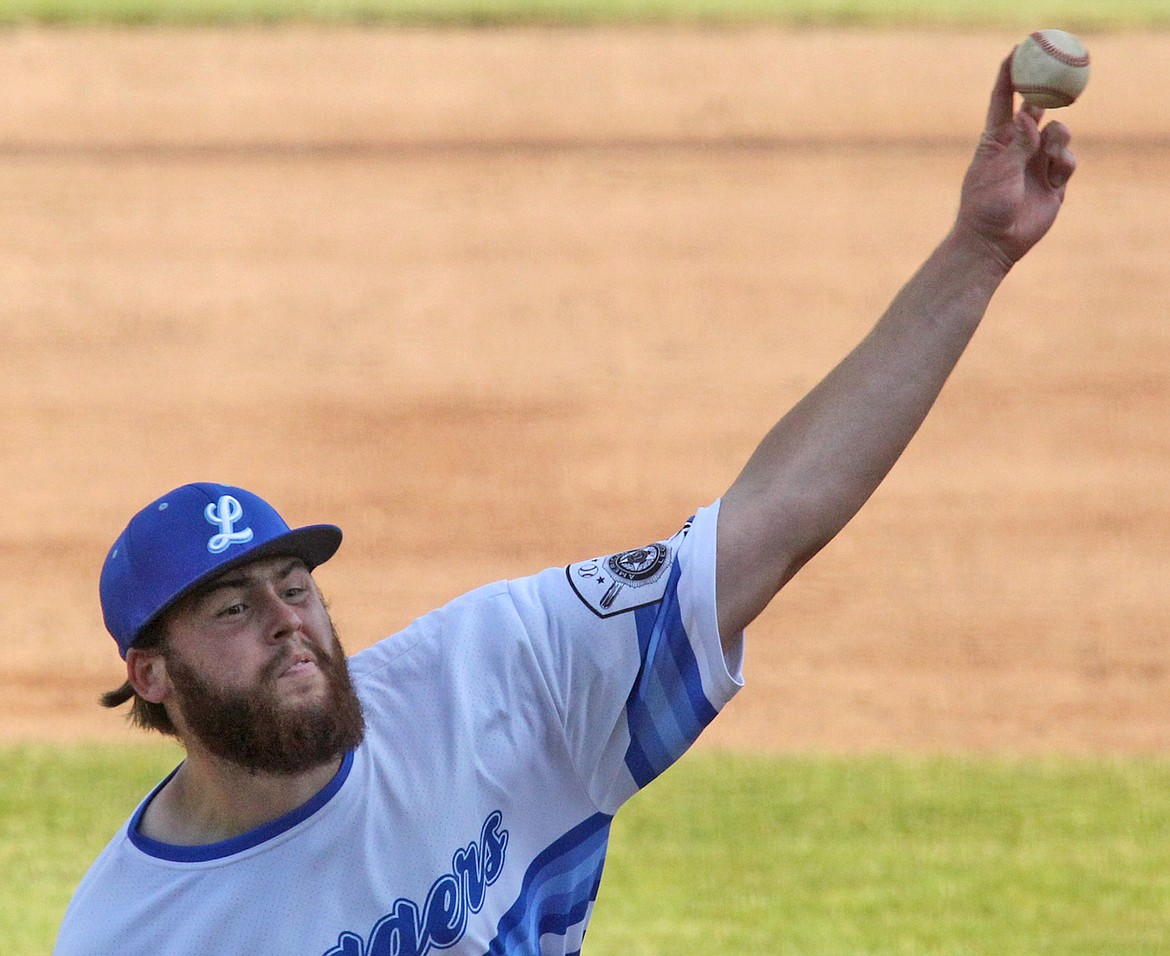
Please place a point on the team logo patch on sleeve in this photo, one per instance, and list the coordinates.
(626, 581)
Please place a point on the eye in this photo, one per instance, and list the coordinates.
(232, 610)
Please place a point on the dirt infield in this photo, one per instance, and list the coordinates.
(501, 300)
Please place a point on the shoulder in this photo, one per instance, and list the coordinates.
(605, 588)
(478, 626)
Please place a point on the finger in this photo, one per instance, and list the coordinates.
(1061, 163)
(1036, 112)
(1055, 136)
(1002, 106)
(1026, 137)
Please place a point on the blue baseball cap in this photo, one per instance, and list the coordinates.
(186, 538)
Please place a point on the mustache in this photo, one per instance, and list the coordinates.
(306, 652)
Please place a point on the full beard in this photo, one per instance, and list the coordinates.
(260, 732)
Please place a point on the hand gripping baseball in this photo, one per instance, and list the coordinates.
(1015, 185)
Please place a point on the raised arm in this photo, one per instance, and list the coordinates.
(821, 462)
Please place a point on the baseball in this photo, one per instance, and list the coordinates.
(1050, 68)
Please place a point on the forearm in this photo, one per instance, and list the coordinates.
(823, 460)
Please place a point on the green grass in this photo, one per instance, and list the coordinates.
(842, 857)
(1082, 15)
(58, 808)
(739, 856)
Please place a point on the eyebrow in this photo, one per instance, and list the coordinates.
(239, 578)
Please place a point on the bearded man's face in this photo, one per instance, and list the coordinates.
(258, 674)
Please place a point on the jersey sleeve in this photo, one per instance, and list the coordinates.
(629, 648)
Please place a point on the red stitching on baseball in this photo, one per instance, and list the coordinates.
(1047, 90)
(1057, 53)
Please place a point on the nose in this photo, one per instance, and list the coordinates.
(283, 618)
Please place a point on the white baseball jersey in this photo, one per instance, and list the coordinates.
(503, 732)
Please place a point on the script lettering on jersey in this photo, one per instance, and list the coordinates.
(413, 930)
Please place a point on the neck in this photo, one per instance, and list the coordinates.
(209, 799)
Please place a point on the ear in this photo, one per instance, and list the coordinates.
(146, 670)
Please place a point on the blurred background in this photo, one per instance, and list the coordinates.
(499, 299)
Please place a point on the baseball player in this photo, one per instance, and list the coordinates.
(451, 788)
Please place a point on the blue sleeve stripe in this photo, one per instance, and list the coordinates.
(667, 709)
(558, 889)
